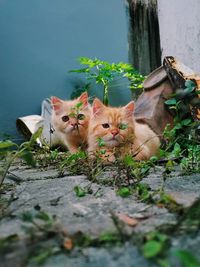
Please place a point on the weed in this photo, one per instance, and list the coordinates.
(186, 258)
(23, 151)
(182, 141)
(155, 245)
(5, 243)
(104, 73)
(124, 192)
(80, 192)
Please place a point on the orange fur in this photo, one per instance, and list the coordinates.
(71, 121)
(120, 133)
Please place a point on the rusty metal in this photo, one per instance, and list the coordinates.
(155, 78)
(159, 86)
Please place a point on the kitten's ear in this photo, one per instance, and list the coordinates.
(129, 108)
(56, 103)
(84, 98)
(97, 106)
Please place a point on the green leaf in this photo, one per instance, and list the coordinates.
(169, 165)
(79, 105)
(43, 255)
(80, 192)
(108, 237)
(188, 90)
(6, 242)
(123, 126)
(43, 216)
(7, 144)
(72, 114)
(35, 136)
(76, 156)
(84, 70)
(163, 262)
(171, 101)
(153, 159)
(177, 150)
(129, 161)
(103, 72)
(100, 142)
(80, 117)
(27, 216)
(178, 126)
(151, 249)
(190, 84)
(85, 60)
(186, 122)
(124, 192)
(102, 151)
(187, 259)
(28, 157)
(143, 191)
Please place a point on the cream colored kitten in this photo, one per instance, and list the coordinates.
(70, 120)
(115, 130)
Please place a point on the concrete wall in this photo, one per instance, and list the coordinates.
(40, 41)
(179, 22)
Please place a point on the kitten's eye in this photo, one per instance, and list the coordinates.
(123, 126)
(81, 117)
(65, 118)
(105, 125)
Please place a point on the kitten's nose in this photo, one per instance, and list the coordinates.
(114, 132)
(74, 124)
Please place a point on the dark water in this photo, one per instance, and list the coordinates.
(40, 41)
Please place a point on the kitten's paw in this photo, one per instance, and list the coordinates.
(108, 156)
(73, 150)
(144, 154)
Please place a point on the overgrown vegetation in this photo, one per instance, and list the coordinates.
(182, 141)
(46, 237)
(182, 150)
(104, 73)
(10, 151)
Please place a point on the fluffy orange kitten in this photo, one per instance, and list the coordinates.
(114, 130)
(70, 120)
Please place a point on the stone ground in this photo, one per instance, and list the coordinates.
(92, 214)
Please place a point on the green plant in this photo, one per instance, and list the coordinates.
(186, 258)
(80, 192)
(124, 192)
(37, 220)
(182, 141)
(144, 192)
(183, 100)
(109, 238)
(156, 247)
(24, 151)
(73, 163)
(104, 73)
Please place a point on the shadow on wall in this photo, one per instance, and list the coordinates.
(144, 37)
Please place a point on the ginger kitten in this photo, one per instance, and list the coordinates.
(70, 119)
(115, 130)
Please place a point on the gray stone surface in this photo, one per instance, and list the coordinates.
(185, 189)
(126, 256)
(92, 213)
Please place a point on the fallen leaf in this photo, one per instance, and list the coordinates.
(127, 219)
(160, 205)
(68, 244)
